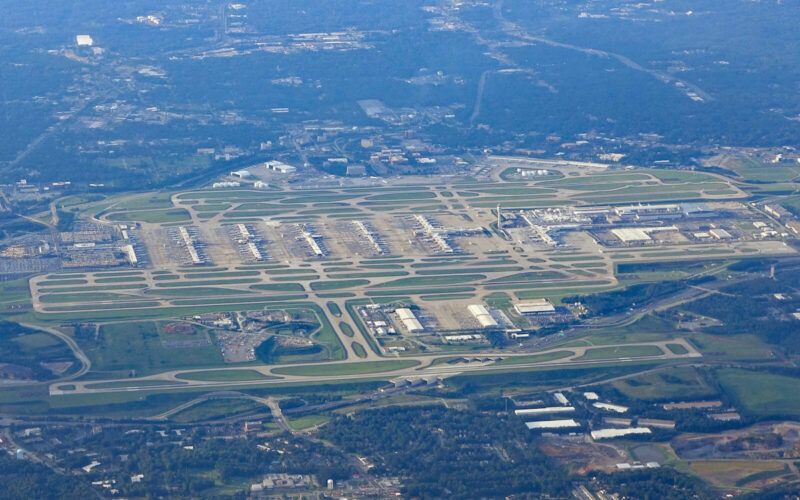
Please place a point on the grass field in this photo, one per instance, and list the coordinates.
(761, 393)
(537, 358)
(677, 382)
(334, 309)
(146, 202)
(337, 284)
(151, 216)
(197, 292)
(346, 329)
(734, 472)
(59, 298)
(346, 368)
(431, 281)
(359, 350)
(129, 383)
(621, 352)
(125, 347)
(279, 287)
(677, 349)
(732, 347)
(216, 408)
(224, 375)
(307, 422)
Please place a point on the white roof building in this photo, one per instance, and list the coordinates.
(613, 433)
(610, 407)
(720, 234)
(544, 411)
(639, 234)
(482, 315)
(84, 41)
(630, 234)
(538, 306)
(409, 320)
(281, 167)
(552, 424)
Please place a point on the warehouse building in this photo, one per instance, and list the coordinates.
(280, 167)
(482, 315)
(720, 234)
(638, 234)
(409, 320)
(777, 211)
(614, 433)
(631, 235)
(544, 411)
(535, 307)
(552, 424)
(84, 41)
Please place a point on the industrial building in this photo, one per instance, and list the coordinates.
(638, 234)
(631, 234)
(409, 320)
(611, 407)
(535, 307)
(84, 41)
(720, 234)
(280, 167)
(544, 411)
(657, 423)
(482, 315)
(613, 433)
(777, 211)
(552, 424)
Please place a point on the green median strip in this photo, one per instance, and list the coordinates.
(224, 376)
(346, 368)
(359, 350)
(536, 358)
(632, 351)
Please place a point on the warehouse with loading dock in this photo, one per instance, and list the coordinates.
(535, 307)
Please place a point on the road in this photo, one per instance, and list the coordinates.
(82, 358)
(516, 31)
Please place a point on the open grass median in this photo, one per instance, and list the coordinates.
(337, 284)
(628, 351)
(328, 370)
(536, 358)
(359, 350)
(432, 281)
(224, 375)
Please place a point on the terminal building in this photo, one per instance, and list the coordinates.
(649, 212)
